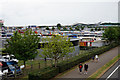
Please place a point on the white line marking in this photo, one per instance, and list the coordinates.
(112, 73)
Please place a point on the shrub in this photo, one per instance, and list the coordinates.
(44, 74)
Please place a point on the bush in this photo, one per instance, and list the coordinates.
(44, 74)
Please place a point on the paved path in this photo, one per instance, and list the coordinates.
(93, 66)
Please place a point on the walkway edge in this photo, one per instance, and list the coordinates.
(105, 69)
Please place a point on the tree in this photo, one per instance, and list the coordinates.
(56, 47)
(40, 26)
(23, 46)
(118, 35)
(82, 28)
(53, 28)
(59, 25)
(103, 29)
(77, 28)
(99, 29)
(111, 34)
(59, 28)
(91, 29)
(1, 25)
(47, 28)
(71, 29)
(64, 28)
(96, 29)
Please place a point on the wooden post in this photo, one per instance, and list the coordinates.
(15, 73)
(31, 66)
(39, 65)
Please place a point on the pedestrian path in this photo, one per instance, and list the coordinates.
(93, 66)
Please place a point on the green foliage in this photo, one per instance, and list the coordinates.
(77, 28)
(56, 47)
(1, 25)
(91, 29)
(64, 28)
(23, 46)
(44, 74)
(111, 34)
(59, 25)
(47, 28)
(118, 34)
(103, 29)
(82, 28)
(59, 28)
(40, 26)
(53, 28)
(96, 29)
(99, 29)
(71, 29)
(63, 66)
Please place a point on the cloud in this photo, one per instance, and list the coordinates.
(46, 12)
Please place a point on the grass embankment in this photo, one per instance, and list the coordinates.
(103, 69)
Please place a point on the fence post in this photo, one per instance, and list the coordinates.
(15, 73)
(51, 62)
(45, 59)
(39, 65)
(5, 75)
(31, 66)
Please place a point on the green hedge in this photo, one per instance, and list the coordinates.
(49, 72)
(44, 74)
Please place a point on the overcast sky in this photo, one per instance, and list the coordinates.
(51, 12)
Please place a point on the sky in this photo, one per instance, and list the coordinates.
(51, 12)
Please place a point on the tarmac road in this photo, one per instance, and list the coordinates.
(113, 73)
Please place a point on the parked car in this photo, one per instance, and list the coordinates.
(10, 68)
(9, 65)
(9, 58)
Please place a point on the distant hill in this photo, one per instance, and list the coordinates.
(110, 24)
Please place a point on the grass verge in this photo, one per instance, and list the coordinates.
(103, 69)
